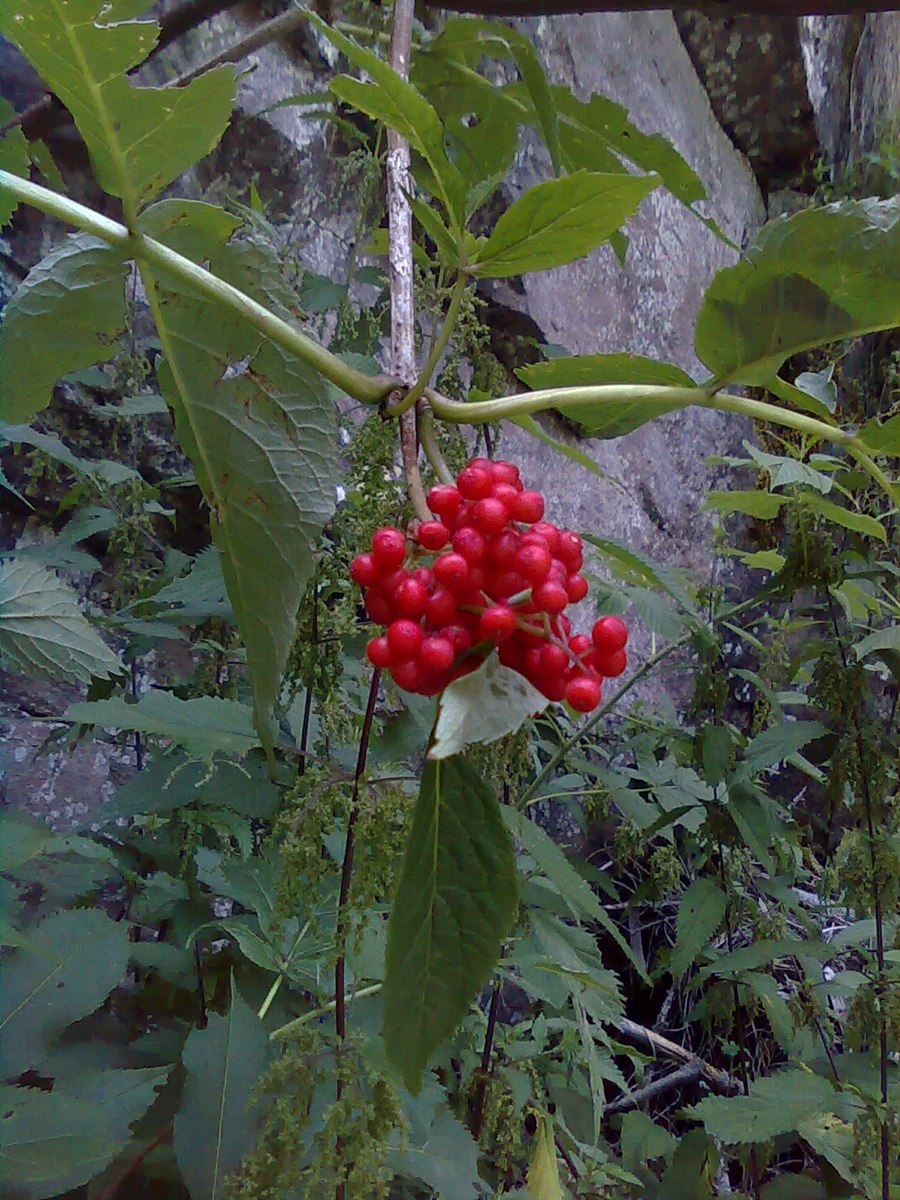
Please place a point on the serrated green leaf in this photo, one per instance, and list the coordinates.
(215, 1126)
(205, 726)
(482, 707)
(454, 905)
(881, 639)
(761, 953)
(858, 522)
(140, 138)
(543, 1169)
(692, 1172)
(14, 157)
(56, 1141)
(811, 278)
(608, 418)
(634, 569)
(261, 432)
(781, 741)
(775, 1105)
(43, 631)
(400, 106)
(700, 914)
(72, 962)
(882, 438)
(558, 221)
(447, 1161)
(530, 425)
(72, 301)
(759, 504)
(643, 1141)
(22, 837)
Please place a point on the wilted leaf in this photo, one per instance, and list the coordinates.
(43, 632)
(140, 139)
(776, 1104)
(560, 220)
(215, 1126)
(56, 1141)
(811, 278)
(700, 914)
(72, 301)
(454, 905)
(72, 962)
(543, 1169)
(482, 707)
(205, 725)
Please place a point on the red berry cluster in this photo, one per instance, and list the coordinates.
(487, 571)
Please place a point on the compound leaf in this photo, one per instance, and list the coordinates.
(140, 138)
(214, 1127)
(814, 277)
(454, 905)
(72, 962)
(73, 304)
(42, 630)
(558, 221)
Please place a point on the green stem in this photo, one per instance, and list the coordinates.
(416, 392)
(759, 410)
(367, 389)
(272, 993)
(429, 444)
(285, 1031)
(481, 412)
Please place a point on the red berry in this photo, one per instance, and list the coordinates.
(548, 532)
(553, 689)
(570, 550)
(504, 549)
(505, 472)
(527, 507)
(388, 547)
(580, 644)
(610, 664)
(505, 493)
(497, 623)
(550, 596)
(609, 634)
(553, 660)
(451, 570)
(437, 653)
(474, 483)
(490, 515)
(378, 607)
(583, 693)
(433, 535)
(577, 587)
(533, 561)
(475, 583)
(470, 544)
(364, 570)
(378, 652)
(404, 639)
(411, 597)
(407, 675)
(444, 501)
(459, 638)
(506, 584)
(440, 608)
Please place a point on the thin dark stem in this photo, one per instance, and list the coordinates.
(308, 701)
(478, 1105)
(138, 747)
(202, 1019)
(881, 982)
(340, 966)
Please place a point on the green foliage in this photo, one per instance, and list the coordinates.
(482, 707)
(453, 907)
(205, 725)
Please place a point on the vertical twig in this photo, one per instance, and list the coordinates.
(340, 966)
(478, 1105)
(878, 908)
(403, 308)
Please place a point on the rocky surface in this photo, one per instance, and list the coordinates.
(731, 121)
